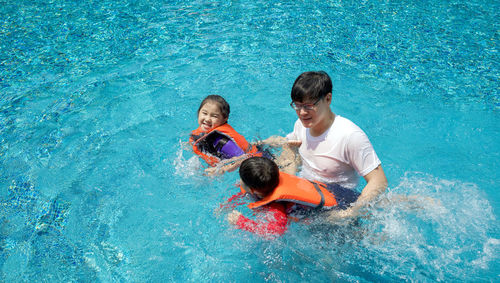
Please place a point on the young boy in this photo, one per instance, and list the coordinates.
(277, 194)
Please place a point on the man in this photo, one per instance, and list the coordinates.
(332, 148)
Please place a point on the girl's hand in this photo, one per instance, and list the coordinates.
(212, 171)
(232, 217)
(221, 169)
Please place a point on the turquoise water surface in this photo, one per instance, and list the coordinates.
(97, 99)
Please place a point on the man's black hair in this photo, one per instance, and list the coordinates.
(311, 86)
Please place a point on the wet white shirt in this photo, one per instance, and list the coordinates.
(340, 155)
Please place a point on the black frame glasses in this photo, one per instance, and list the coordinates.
(306, 106)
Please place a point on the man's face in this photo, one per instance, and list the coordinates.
(311, 113)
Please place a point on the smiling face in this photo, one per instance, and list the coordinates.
(317, 117)
(311, 97)
(210, 116)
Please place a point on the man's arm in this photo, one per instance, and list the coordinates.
(278, 141)
(376, 183)
(289, 159)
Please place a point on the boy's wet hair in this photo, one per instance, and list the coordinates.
(311, 86)
(223, 105)
(260, 174)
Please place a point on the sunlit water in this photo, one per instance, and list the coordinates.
(98, 98)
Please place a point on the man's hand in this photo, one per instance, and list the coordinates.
(343, 216)
(294, 143)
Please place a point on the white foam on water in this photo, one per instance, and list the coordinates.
(435, 228)
(489, 254)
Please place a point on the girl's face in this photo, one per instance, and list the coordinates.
(210, 116)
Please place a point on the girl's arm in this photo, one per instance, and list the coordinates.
(227, 165)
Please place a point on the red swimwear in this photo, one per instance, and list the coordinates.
(294, 198)
(271, 219)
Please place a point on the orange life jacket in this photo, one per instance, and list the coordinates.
(298, 190)
(198, 135)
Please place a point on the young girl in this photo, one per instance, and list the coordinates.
(215, 140)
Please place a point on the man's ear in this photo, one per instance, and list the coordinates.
(328, 97)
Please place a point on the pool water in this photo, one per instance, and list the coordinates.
(97, 100)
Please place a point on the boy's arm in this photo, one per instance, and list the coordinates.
(273, 222)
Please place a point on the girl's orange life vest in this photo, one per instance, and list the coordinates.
(198, 136)
(298, 190)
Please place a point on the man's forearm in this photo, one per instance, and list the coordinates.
(375, 186)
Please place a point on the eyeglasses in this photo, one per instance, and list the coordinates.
(306, 106)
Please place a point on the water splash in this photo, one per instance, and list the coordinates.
(187, 168)
(444, 235)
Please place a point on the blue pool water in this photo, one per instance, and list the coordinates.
(98, 98)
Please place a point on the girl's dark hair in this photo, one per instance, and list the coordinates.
(311, 86)
(260, 174)
(223, 105)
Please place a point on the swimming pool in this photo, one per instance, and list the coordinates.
(96, 99)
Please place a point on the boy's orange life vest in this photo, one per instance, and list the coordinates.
(198, 135)
(298, 190)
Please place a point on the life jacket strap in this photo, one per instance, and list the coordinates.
(322, 202)
(196, 137)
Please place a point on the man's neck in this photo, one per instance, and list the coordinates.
(322, 127)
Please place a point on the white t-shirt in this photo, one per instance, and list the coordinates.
(338, 155)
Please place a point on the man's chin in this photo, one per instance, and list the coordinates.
(306, 123)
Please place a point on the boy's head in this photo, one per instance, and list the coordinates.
(311, 86)
(259, 174)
